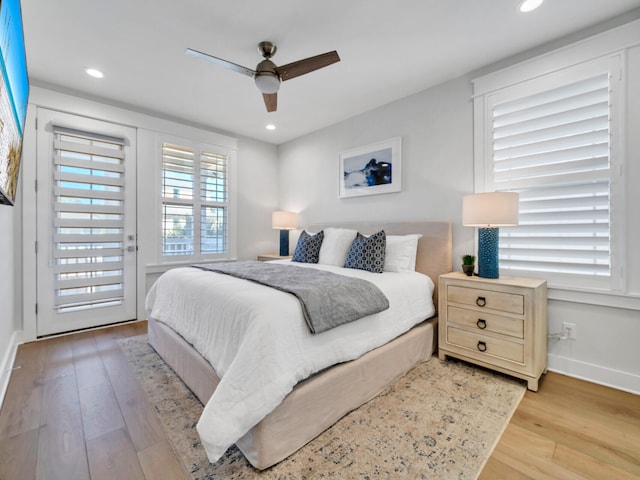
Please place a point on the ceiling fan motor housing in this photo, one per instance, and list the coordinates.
(267, 49)
(266, 78)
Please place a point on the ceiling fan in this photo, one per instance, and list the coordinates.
(267, 74)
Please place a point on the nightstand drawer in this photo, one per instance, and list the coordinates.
(475, 297)
(486, 322)
(482, 345)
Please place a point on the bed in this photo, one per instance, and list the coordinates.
(314, 403)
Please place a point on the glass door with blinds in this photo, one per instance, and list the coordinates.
(86, 237)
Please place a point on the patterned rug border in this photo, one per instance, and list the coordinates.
(356, 446)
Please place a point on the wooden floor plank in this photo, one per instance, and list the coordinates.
(567, 390)
(537, 445)
(58, 358)
(495, 469)
(112, 456)
(62, 453)
(568, 415)
(588, 466)
(603, 441)
(159, 462)
(19, 455)
(142, 422)
(534, 467)
(87, 361)
(100, 410)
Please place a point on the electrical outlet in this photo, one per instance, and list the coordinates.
(569, 330)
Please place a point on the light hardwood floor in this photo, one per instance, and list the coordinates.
(570, 429)
(73, 410)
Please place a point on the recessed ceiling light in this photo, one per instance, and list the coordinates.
(271, 126)
(530, 5)
(92, 72)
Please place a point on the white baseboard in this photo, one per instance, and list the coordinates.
(608, 377)
(7, 363)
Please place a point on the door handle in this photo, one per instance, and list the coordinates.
(132, 248)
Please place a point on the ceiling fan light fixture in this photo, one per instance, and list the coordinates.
(267, 82)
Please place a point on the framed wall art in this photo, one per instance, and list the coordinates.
(371, 169)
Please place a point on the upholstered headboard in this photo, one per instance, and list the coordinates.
(434, 248)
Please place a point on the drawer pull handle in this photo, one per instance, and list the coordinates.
(481, 301)
(482, 324)
(482, 346)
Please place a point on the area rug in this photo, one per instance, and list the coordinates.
(440, 421)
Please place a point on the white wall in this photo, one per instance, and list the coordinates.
(8, 337)
(437, 163)
(7, 291)
(437, 140)
(257, 198)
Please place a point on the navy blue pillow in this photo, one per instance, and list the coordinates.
(367, 253)
(308, 248)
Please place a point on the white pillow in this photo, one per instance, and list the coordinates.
(401, 253)
(335, 246)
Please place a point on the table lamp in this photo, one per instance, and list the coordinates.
(489, 211)
(284, 221)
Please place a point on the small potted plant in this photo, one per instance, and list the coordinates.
(468, 264)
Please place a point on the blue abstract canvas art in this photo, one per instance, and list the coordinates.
(368, 169)
(371, 169)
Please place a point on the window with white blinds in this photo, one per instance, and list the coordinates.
(88, 230)
(551, 141)
(194, 202)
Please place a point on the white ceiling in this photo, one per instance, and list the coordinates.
(389, 49)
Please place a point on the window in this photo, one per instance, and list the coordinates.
(553, 140)
(195, 202)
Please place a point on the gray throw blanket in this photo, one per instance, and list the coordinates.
(327, 299)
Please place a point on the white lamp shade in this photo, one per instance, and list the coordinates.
(492, 209)
(284, 220)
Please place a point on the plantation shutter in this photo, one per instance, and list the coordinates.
(194, 201)
(178, 174)
(213, 194)
(88, 230)
(553, 147)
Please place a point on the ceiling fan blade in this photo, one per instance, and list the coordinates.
(219, 61)
(270, 101)
(295, 69)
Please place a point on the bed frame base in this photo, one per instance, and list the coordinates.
(314, 404)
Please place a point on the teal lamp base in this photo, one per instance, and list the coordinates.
(284, 243)
(488, 252)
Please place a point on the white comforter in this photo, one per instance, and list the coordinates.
(259, 344)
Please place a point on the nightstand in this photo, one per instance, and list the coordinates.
(272, 256)
(500, 323)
